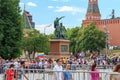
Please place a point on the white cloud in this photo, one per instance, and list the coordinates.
(44, 29)
(71, 9)
(50, 7)
(31, 4)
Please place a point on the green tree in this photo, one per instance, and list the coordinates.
(92, 38)
(84, 39)
(11, 30)
(35, 42)
(79, 40)
(51, 36)
(1, 31)
(71, 35)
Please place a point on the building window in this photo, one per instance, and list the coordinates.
(64, 48)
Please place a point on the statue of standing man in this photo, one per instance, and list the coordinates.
(59, 28)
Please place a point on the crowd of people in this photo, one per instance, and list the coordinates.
(94, 72)
(79, 62)
(72, 63)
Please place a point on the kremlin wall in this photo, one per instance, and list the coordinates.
(110, 26)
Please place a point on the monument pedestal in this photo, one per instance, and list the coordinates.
(59, 48)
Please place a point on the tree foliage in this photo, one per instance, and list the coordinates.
(10, 29)
(51, 36)
(92, 39)
(35, 42)
(84, 39)
(71, 35)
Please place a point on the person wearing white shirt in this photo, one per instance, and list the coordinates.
(45, 64)
(16, 64)
(40, 64)
(58, 68)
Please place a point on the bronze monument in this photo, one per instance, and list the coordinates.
(59, 29)
(59, 47)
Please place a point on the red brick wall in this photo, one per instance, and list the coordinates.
(112, 25)
(54, 46)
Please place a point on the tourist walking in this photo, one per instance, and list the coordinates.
(67, 74)
(116, 75)
(58, 70)
(9, 73)
(94, 73)
(20, 71)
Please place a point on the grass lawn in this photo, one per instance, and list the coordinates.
(115, 51)
(111, 51)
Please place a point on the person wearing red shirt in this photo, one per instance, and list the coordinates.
(10, 73)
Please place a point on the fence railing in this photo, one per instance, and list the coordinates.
(73, 67)
(40, 74)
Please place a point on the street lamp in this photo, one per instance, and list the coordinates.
(107, 34)
(46, 27)
(106, 39)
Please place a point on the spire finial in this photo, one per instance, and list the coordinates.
(24, 7)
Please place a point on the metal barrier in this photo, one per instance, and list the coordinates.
(73, 67)
(45, 74)
(40, 74)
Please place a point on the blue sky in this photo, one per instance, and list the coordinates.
(45, 11)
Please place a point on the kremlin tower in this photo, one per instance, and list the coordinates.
(27, 20)
(93, 12)
(28, 24)
(110, 26)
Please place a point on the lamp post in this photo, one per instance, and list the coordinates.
(107, 36)
(106, 39)
(46, 27)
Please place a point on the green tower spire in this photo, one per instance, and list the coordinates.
(27, 19)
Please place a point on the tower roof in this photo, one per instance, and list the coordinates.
(27, 20)
(93, 12)
(93, 7)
